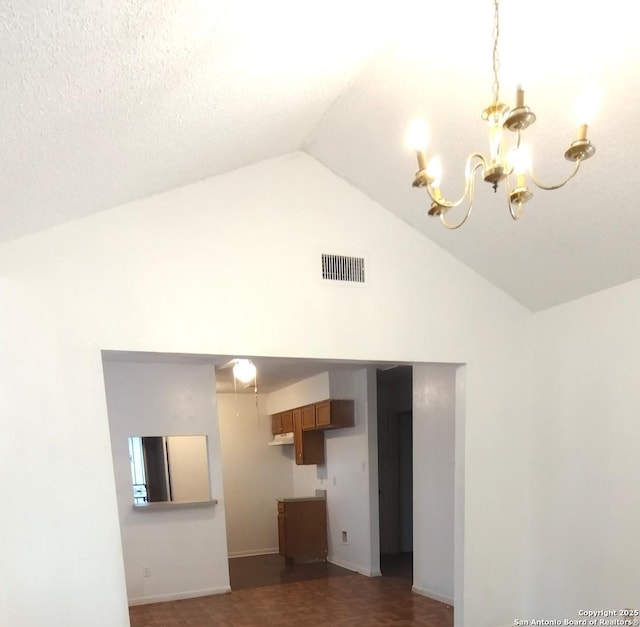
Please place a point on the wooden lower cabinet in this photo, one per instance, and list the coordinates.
(308, 445)
(302, 530)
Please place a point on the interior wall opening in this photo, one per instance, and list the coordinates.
(238, 425)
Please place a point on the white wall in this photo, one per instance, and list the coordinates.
(180, 547)
(313, 390)
(434, 415)
(59, 533)
(585, 456)
(165, 274)
(351, 476)
(255, 474)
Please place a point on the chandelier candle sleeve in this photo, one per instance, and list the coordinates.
(519, 97)
(582, 132)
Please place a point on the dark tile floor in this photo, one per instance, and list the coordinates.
(338, 599)
(397, 565)
(270, 570)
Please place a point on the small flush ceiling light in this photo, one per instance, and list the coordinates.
(244, 370)
(501, 165)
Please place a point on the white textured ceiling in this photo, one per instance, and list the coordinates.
(105, 102)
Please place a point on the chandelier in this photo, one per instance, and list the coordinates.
(501, 164)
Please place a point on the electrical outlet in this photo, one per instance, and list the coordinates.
(146, 572)
(345, 538)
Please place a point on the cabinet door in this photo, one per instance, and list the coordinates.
(287, 421)
(309, 417)
(302, 530)
(323, 414)
(282, 534)
(276, 424)
(335, 414)
(297, 436)
(309, 445)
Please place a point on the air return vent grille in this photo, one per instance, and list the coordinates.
(341, 268)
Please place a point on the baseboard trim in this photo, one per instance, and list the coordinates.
(425, 592)
(253, 552)
(177, 596)
(363, 571)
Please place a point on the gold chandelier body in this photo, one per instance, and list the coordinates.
(498, 166)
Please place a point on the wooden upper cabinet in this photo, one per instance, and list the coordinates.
(282, 423)
(308, 423)
(308, 417)
(287, 421)
(334, 414)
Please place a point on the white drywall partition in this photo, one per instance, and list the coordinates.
(434, 415)
(174, 552)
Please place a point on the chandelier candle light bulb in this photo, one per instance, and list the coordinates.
(434, 173)
(520, 159)
(585, 109)
(500, 165)
(417, 140)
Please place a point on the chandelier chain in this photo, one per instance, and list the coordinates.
(496, 59)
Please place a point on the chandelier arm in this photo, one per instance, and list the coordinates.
(516, 215)
(470, 187)
(452, 227)
(469, 172)
(507, 188)
(442, 202)
(559, 185)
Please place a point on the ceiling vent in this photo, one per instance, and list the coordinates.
(342, 268)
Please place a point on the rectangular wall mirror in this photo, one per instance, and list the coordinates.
(169, 468)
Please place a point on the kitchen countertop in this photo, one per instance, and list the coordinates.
(302, 498)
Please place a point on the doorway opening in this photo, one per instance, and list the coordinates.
(395, 470)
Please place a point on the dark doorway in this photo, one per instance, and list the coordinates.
(395, 470)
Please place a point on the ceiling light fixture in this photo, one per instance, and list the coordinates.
(500, 164)
(244, 370)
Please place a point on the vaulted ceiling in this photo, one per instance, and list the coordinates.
(106, 102)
